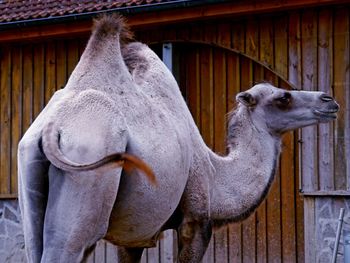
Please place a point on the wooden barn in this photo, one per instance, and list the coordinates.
(215, 49)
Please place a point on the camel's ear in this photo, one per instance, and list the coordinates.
(246, 99)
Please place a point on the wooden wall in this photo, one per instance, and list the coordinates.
(309, 48)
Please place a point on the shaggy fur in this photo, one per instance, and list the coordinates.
(122, 99)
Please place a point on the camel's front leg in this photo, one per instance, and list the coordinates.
(194, 238)
(33, 187)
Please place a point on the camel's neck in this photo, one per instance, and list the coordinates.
(243, 177)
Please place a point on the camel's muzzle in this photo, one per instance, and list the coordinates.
(331, 107)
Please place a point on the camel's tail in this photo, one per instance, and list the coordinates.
(50, 144)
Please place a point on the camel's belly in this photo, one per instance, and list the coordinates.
(141, 211)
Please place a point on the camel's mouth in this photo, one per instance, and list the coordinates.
(327, 114)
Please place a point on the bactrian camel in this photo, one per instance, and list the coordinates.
(122, 102)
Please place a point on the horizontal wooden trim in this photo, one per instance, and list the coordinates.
(8, 196)
(339, 193)
(165, 17)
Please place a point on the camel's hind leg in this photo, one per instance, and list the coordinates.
(33, 187)
(77, 213)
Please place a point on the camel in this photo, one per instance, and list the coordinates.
(116, 155)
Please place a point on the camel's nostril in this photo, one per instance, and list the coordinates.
(326, 98)
(337, 106)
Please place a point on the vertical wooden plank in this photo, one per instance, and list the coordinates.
(252, 39)
(169, 34)
(144, 257)
(82, 45)
(207, 114)
(294, 50)
(266, 42)
(258, 73)
(154, 35)
(246, 73)
(206, 85)
(50, 70)
(61, 64)
(299, 204)
(167, 247)
(220, 110)
(39, 79)
(232, 78)
(294, 77)
(309, 217)
(193, 84)
(27, 114)
(280, 53)
(197, 32)
(16, 112)
(72, 55)
(224, 35)
(235, 241)
(183, 33)
(153, 254)
(261, 233)
(309, 78)
(5, 119)
(100, 252)
(341, 92)
(288, 173)
(249, 239)
(325, 77)
(221, 245)
(181, 55)
(233, 84)
(141, 36)
(210, 33)
(238, 36)
(274, 222)
(111, 253)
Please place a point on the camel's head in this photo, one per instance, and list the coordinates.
(283, 110)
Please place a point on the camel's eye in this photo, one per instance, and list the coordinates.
(285, 99)
(283, 102)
